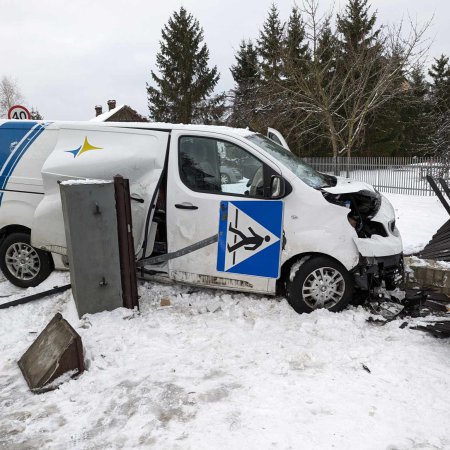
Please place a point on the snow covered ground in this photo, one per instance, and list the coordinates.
(417, 218)
(218, 370)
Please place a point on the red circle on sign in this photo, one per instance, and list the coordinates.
(19, 112)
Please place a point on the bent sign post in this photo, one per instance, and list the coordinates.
(250, 237)
(19, 112)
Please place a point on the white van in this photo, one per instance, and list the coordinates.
(282, 227)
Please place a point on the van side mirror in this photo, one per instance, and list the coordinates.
(277, 187)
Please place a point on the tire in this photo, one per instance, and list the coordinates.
(224, 178)
(307, 291)
(22, 264)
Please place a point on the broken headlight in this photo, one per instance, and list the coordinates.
(363, 206)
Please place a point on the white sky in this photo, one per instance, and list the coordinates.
(68, 56)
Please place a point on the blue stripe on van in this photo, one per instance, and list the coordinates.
(11, 133)
(15, 139)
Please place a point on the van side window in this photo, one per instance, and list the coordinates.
(219, 167)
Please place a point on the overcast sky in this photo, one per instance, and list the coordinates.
(68, 56)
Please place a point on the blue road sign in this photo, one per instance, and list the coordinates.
(250, 237)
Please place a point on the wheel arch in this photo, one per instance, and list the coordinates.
(14, 228)
(287, 265)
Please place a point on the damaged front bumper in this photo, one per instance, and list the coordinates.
(379, 246)
(372, 271)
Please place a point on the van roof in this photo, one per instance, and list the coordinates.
(242, 132)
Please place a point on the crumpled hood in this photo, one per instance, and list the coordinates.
(347, 186)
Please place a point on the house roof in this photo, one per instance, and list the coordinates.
(107, 115)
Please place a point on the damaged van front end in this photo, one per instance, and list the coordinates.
(377, 239)
(340, 236)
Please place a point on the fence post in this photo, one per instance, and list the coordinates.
(377, 185)
(335, 165)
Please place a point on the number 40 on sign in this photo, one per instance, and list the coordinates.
(19, 112)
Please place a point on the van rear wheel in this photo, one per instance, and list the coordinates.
(320, 282)
(22, 264)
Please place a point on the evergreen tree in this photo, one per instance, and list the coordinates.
(324, 60)
(327, 51)
(35, 114)
(417, 115)
(270, 46)
(440, 101)
(297, 51)
(185, 80)
(211, 111)
(246, 76)
(359, 41)
(357, 27)
(246, 71)
(296, 57)
(440, 75)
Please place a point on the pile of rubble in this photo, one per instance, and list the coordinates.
(411, 304)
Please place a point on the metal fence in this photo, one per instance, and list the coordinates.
(397, 175)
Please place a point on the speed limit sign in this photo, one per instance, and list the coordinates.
(19, 112)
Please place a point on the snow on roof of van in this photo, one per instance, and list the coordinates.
(243, 132)
(194, 127)
(106, 115)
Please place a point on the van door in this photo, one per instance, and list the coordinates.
(196, 187)
(277, 137)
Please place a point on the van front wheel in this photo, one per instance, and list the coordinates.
(319, 282)
(22, 264)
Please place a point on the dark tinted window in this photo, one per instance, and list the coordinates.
(216, 166)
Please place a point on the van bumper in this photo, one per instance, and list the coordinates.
(372, 271)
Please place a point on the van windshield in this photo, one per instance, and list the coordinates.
(303, 171)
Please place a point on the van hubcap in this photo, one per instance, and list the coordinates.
(323, 288)
(22, 261)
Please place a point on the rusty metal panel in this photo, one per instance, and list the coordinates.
(57, 350)
(90, 222)
(126, 243)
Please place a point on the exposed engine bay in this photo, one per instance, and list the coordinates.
(371, 272)
(363, 206)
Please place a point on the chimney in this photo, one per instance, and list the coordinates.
(111, 104)
(98, 110)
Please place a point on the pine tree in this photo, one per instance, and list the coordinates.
(270, 46)
(246, 76)
(185, 80)
(359, 41)
(440, 100)
(440, 75)
(357, 27)
(296, 57)
(35, 114)
(246, 71)
(323, 60)
(297, 51)
(417, 115)
(327, 51)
